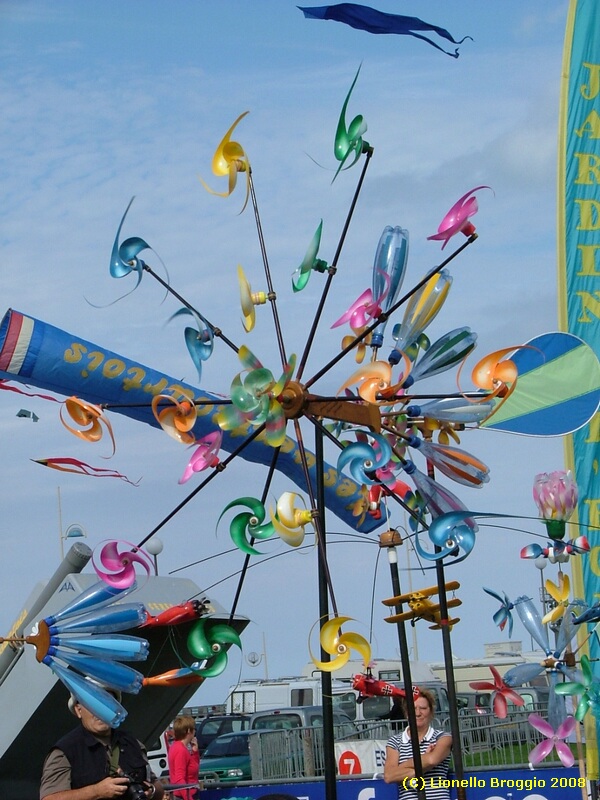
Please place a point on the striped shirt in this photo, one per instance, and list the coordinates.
(433, 776)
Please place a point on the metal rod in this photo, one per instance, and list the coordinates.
(271, 296)
(323, 578)
(246, 563)
(405, 660)
(216, 331)
(219, 468)
(333, 268)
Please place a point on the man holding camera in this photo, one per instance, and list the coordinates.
(96, 762)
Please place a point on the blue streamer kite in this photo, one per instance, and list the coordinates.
(368, 19)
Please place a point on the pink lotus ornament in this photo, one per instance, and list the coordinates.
(555, 495)
(555, 739)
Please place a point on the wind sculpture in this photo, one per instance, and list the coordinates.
(377, 404)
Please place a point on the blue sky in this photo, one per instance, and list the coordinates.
(106, 100)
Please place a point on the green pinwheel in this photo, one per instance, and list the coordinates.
(588, 690)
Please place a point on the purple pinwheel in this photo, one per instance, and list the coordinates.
(555, 739)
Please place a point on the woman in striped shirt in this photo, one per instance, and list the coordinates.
(435, 746)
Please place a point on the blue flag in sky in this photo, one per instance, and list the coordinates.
(369, 19)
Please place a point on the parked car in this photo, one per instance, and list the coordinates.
(474, 702)
(209, 728)
(302, 717)
(227, 758)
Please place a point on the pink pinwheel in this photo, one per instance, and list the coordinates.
(120, 565)
(365, 308)
(457, 220)
(554, 739)
(204, 456)
(501, 693)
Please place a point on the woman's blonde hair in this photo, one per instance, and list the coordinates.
(181, 726)
(427, 694)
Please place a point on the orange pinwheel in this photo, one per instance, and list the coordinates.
(178, 419)
(229, 159)
(497, 377)
(375, 381)
(88, 416)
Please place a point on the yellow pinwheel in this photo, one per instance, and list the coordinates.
(249, 300)
(560, 594)
(229, 159)
(339, 644)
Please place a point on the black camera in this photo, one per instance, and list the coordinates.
(135, 790)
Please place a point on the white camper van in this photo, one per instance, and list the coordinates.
(250, 696)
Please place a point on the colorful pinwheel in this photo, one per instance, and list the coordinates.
(503, 615)
(289, 520)
(248, 525)
(199, 341)
(88, 416)
(363, 459)
(457, 220)
(421, 309)
(588, 691)
(502, 693)
(310, 262)
(117, 566)
(555, 739)
(177, 419)
(208, 642)
(204, 456)
(255, 399)
(555, 495)
(229, 159)
(340, 645)
(249, 300)
(560, 594)
(349, 140)
(124, 257)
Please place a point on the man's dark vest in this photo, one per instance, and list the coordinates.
(90, 762)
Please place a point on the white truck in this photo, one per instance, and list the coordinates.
(249, 696)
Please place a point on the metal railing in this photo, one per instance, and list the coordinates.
(486, 742)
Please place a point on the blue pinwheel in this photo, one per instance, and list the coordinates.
(503, 615)
(363, 459)
(124, 258)
(199, 341)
